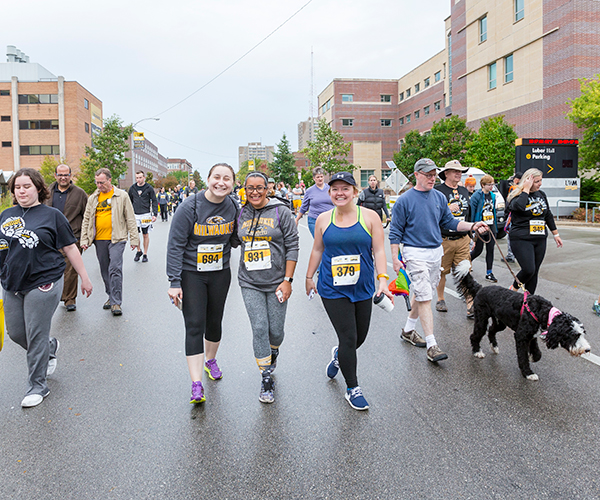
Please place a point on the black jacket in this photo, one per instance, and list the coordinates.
(143, 199)
(375, 200)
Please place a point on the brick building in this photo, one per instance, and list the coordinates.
(174, 164)
(146, 159)
(517, 58)
(41, 114)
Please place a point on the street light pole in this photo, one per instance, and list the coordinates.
(131, 145)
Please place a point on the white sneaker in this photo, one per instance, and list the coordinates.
(52, 361)
(32, 400)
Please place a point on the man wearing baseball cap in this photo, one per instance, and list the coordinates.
(416, 220)
(455, 244)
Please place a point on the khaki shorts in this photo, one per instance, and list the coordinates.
(455, 251)
(424, 277)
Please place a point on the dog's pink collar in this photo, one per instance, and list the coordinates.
(554, 312)
(526, 306)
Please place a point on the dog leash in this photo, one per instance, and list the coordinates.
(479, 236)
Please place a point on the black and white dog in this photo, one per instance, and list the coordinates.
(526, 315)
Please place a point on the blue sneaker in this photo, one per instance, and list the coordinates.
(334, 366)
(596, 308)
(355, 398)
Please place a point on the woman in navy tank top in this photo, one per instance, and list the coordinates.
(346, 239)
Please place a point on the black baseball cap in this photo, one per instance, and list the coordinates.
(346, 177)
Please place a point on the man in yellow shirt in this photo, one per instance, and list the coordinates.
(107, 222)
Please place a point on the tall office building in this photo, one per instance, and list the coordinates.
(255, 150)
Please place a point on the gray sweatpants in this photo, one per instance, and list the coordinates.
(110, 258)
(267, 317)
(28, 320)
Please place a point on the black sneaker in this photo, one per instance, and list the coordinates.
(137, 256)
(145, 258)
(266, 388)
(491, 277)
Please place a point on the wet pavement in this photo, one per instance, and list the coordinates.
(118, 424)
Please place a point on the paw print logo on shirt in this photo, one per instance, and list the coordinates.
(14, 227)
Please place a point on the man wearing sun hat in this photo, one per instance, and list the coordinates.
(416, 220)
(455, 244)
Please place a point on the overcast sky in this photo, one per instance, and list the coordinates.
(141, 58)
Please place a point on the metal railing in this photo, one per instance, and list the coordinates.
(586, 208)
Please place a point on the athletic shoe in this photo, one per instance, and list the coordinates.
(212, 369)
(197, 393)
(334, 365)
(412, 337)
(106, 305)
(116, 310)
(274, 354)
(52, 361)
(356, 399)
(71, 307)
(508, 259)
(266, 388)
(470, 313)
(596, 308)
(441, 306)
(33, 400)
(138, 254)
(145, 258)
(435, 354)
(491, 277)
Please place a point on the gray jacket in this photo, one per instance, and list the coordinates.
(274, 224)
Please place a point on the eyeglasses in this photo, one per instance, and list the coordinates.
(63, 175)
(258, 189)
(429, 176)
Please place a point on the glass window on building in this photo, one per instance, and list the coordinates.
(426, 110)
(519, 10)
(347, 122)
(87, 128)
(417, 114)
(4, 92)
(364, 177)
(386, 123)
(437, 105)
(347, 97)
(7, 144)
(386, 98)
(86, 104)
(407, 118)
(483, 29)
(492, 76)
(401, 97)
(385, 174)
(508, 69)
(437, 76)
(407, 92)
(5, 118)
(417, 87)
(402, 121)
(427, 82)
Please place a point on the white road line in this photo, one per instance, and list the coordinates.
(591, 358)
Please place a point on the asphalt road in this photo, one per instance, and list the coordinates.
(118, 424)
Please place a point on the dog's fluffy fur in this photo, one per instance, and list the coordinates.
(503, 307)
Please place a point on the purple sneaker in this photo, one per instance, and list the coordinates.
(197, 393)
(212, 369)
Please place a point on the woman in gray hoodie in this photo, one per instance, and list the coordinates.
(269, 251)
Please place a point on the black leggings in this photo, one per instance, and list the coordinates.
(351, 323)
(489, 250)
(164, 212)
(529, 255)
(204, 297)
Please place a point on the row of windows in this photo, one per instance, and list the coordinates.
(437, 76)
(38, 98)
(38, 124)
(508, 72)
(349, 122)
(417, 114)
(519, 12)
(350, 98)
(40, 150)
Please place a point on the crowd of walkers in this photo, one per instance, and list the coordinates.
(43, 234)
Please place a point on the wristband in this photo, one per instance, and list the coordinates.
(383, 275)
(556, 235)
(309, 277)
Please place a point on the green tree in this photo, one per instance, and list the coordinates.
(181, 176)
(493, 148)
(108, 151)
(585, 113)
(328, 150)
(150, 178)
(449, 140)
(48, 169)
(307, 177)
(200, 184)
(415, 147)
(284, 165)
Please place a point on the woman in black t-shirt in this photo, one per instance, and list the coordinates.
(530, 214)
(31, 271)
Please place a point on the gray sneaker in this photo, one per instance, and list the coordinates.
(440, 306)
(435, 354)
(412, 337)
